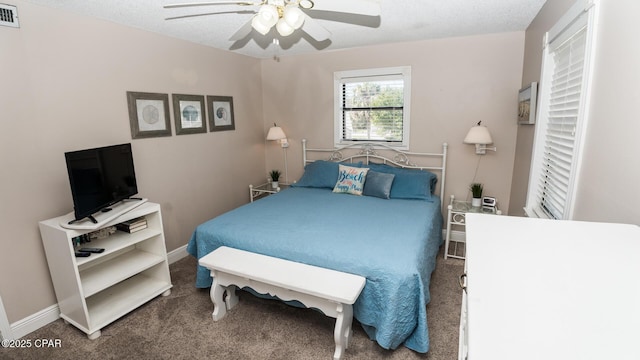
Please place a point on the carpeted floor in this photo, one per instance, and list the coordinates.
(179, 326)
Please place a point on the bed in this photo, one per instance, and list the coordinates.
(389, 234)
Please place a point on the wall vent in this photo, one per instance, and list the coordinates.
(9, 15)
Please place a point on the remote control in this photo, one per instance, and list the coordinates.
(91, 250)
(82, 254)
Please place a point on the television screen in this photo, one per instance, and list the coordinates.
(100, 177)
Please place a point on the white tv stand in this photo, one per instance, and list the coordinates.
(94, 291)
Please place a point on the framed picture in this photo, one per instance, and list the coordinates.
(188, 114)
(527, 104)
(220, 113)
(148, 114)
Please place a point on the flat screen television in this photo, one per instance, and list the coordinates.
(99, 178)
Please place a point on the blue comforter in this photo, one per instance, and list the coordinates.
(393, 243)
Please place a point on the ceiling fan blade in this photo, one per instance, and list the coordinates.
(362, 7)
(242, 32)
(211, 13)
(314, 29)
(246, 3)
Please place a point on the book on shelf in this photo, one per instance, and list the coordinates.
(132, 230)
(137, 221)
(133, 225)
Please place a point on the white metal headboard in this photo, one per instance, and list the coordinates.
(367, 151)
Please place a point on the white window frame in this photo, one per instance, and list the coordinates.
(582, 13)
(339, 77)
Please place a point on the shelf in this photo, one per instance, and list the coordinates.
(115, 242)
(115, 270)
(118, 300)
(94, 291)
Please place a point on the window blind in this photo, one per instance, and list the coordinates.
(563, 113)
(372, 110)
(562, 118)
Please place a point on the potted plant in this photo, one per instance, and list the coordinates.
(275, 176)
(476, 191)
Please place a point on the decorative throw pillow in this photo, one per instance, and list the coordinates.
(350, 180)
(378, 184)
(321, 174)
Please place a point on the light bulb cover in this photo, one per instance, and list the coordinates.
(293, 16)
(268, 14)
(258, 24)
(284, 28)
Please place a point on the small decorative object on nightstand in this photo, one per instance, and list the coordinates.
(476, 192)
(274, 175)
(457, 210)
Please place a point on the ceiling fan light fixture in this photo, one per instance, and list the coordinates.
(284, 28)
(268, 15)
(259, 25)
(293, 16)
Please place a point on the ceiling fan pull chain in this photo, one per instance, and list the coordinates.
(276, 50)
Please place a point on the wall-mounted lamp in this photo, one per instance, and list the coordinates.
(275, 133)
(480, 136)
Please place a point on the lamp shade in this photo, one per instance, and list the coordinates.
(276, 133)
(478, 135)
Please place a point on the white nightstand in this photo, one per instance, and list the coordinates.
(456, 215)
(256, 192)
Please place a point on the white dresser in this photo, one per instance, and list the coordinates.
(545, 290)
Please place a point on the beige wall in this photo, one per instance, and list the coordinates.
(64, 79)
(610, 168)
(455, 83)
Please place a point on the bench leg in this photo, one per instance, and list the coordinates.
(232, 298)
(342, 332)
(217, 293)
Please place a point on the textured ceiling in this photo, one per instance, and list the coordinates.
(400, 20)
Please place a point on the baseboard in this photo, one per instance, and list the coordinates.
(177, 254)
(44, 317)
(34, 322)
(5, 328)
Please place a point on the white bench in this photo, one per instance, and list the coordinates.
(332, 292)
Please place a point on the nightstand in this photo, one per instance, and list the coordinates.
(256, 192)
(456, 216)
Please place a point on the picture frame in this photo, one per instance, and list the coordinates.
(527, 99)
(221, 116)
(189, 114)
(148, 114)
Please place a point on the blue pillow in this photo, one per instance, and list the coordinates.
(321, 174)
(408, 183)
(378, 184)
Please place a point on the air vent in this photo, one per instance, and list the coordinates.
(9, 15)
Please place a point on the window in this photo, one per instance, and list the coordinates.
(373, 105)
(563, 113)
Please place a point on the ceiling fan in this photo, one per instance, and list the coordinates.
(287, 15)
